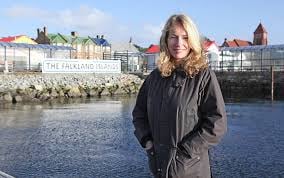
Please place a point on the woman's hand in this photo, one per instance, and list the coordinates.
(148, 145)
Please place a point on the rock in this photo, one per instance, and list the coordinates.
(7, 97)
(27, 86)
(18, 98)
(93, 92)
(74, 92)
(61, 93)
(120, 91)
(105, 92)
(44, 97)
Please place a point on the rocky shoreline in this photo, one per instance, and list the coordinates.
(38, 87)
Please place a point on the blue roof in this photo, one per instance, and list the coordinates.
(254, 48)
(100, 41)
(35, 46)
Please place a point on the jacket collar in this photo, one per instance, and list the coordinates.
(178, 77)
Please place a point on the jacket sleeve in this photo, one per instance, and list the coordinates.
(140, 116)
(213, 119)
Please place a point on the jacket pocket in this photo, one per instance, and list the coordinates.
(152, 160)
(185, 166)
(186, 160)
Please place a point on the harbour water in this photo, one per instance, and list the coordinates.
(94, 138)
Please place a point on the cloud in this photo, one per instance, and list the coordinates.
(153, 30)
(18, 11)
(86, 21)
(83, 18)
(152, 33)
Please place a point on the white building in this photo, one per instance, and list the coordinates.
(128, 54)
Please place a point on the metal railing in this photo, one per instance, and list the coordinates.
(248, 65)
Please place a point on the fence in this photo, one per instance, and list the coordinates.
(250, 58)
(247, 65)
(27, 57)
(130, 61)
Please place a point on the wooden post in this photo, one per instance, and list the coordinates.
(272, 83)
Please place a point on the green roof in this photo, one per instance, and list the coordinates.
(79, 40)
(56, 38)
(60, 38)
(67, 38)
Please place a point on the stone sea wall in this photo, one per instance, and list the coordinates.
(249, 84)
(37, 87)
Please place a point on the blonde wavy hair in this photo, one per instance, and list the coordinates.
(196, 59)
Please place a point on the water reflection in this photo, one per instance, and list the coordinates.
(254, 144)
(84, 138)
(94, 138)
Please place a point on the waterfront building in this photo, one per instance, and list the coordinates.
(85, 47)
(251, 58)
(151, 56)
(243, 55)
(130, 57)
(28, 57)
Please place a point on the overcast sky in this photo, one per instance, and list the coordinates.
(118, 20)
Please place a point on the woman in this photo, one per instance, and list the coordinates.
(180, 112)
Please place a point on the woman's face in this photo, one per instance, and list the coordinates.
(178, 42)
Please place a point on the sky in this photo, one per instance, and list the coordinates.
(120, 20)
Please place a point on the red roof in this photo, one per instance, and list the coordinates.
(236, 43)
(153, 49)
(208, 43)
(10, 38)
(242, 42)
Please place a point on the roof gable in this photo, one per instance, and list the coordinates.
(88, 41)
(153, 49)
(51, 36)
(67, 38)
(56, 38)
(208, 43)
(100, 41)
(260, 29)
